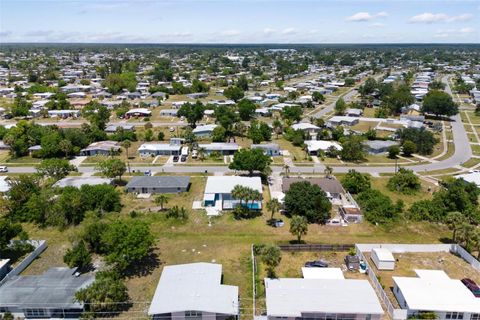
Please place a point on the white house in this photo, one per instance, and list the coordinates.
(314, 145)
(321, 298)
(383, 259)
(220, 147)
(305, 126)
(195, 292)
(159, 149)
(138, 112)
(218, 191)
(435, 291)
(204, 130)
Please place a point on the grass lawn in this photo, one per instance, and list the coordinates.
(27, 160)
(471, 163)
(364, 126)
(228, 241)
(296, 153)
(381, 184)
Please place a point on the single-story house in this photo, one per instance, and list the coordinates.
(205, 130)
(313, 146)
(383, 259)
(434, 291)
(220, 147)
(78, 182)
(113, 128)
(169, 112)
(305, 126)
(218, 191)
(138, 112)
(4, 267)
(158, 184)
(34, 149)
(194, 291)
(158, 95)
(49, 295)
(332, 187)
(103, 148)
(263, 112)
(316, 298)
(353, 112)
(159, 149)
(64, 113)
(270, 149)
(342, 121)
(197, 95)
(379, 146)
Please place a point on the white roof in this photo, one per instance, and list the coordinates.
(139, 110)
(470, 177)
(204, 128)
(304, 126)
(77, 182)
(288, 297)
(158, 146)
(384, 254)
(314, 145)
(194, 286)
(433, 290)
(4, 184)
(225, 184)
(322, 273)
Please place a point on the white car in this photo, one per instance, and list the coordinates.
(3, 169)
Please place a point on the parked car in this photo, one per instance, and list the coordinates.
(316, 264)
(352, 262)
(194, 154)
(175, 158)
(276, 223)
(183, 158)
(171, 129)
(3, 169)
(472, 286)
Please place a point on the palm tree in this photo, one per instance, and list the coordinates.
(161, 200)
(239, 192)
(273, 205)
(328, 172)
(126, 144)
(454, 221)
(465, 234)
(476, 241)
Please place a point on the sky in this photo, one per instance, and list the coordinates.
(240, 21)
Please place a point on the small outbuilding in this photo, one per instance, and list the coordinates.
(383, 259)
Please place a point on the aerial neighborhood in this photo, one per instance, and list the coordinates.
(261, 182)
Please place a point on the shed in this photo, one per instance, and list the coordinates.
(383, 259)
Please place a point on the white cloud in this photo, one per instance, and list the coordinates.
(467, 30)
(441, 35)
(230, 33)
(360, 16)
(269, 31)
(429, 17)
(5, 33)
(289, 31)
(366, 16)
(377, 25)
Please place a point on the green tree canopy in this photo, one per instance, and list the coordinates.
(355, 182)
(439, 103)
(307, 200)
(250, 160)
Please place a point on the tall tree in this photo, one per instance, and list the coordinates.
(273, 205)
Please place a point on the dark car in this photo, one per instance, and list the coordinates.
(183, 158)
(352, 262)
(316, 264)
(175, 158)
(472, 286)
(7, 116)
